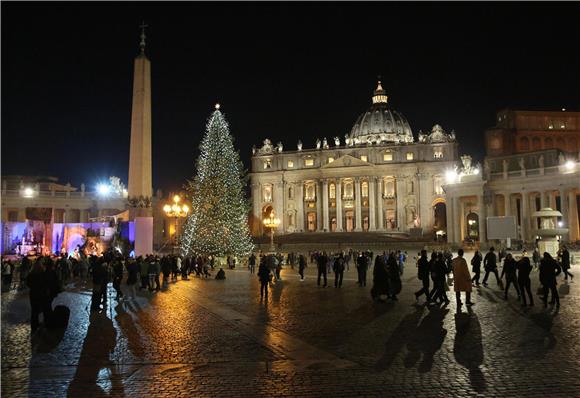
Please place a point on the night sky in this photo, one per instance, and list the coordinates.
(283, 71)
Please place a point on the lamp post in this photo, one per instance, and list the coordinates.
(176, 210)
(271, 222)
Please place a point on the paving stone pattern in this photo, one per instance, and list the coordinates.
(208, 338)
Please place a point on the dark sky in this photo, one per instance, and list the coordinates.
(283, 71)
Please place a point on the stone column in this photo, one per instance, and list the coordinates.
(325, 225)
(318, 207)
(451, 227)
(565, 211)
(462, 222)
(400, 193)
(256, 207)
(338, 205)
(279, 204)
(372, 215)
(507, 204)
(573, 216)
(21, 214)
(380, 215)
(83, 216)
(65, 216)
(543, 202)
(300, 206)
(525, 216)
(550, 200)
(358, 200)
(482, 219)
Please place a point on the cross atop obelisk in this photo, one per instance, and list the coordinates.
(140, 181)
(142, 44)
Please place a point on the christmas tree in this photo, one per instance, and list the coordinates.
(218, 222)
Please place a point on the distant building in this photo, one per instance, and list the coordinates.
(532, 162)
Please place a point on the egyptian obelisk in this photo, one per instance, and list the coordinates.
(140, 184)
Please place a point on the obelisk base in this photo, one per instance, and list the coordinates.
(143, 236)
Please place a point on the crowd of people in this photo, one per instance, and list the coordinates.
(47, 276)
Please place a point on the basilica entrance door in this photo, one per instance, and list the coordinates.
(349, 221)
(311, 221)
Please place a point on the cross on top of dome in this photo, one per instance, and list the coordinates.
(380, 95)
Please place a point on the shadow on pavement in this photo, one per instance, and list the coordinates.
(468, 348)
(96, 374)
(426, 339)
(399, 338)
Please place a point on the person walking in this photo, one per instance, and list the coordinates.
(252, 263)
(524, 268)
(438, 273)
(549, 270)
(536, 258)
(143, 272)
(461, 279)
(361, 268)
(39, 295)
(566, 263)
(7, 272)
(132, 270)
(476, 267)
(394, 273)
(509, 270)
(338, 268)
(423, 272)
(490, 266)
(152, 273)
(301, 266)
(380, 279)
(264, 277)
(117, 278)
(321, 262)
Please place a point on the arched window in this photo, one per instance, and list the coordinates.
(536, 144)
(310, 191)
(437, 182)
(548, 143)
(348, 191)
(267, 194)
(332, 191)
(291, 192)
(365, 189)
(389, 184)
(524, 144)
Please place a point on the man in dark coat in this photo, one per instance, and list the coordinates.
(252, 263)
(549, 269)
(264, 277)
(394, 273)
(476, 267)
(380, 278)
(524, 269)
(301, 266)
(566, 263)
(39, 295)
(490, 265)
(321, 261)
(509, 270)
(338, 268)
(423, 272)
(361, 267)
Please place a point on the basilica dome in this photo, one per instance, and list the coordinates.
(380, 123)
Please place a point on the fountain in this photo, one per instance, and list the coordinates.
(549, 232)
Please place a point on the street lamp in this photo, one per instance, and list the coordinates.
(271, 222)
(176, 210)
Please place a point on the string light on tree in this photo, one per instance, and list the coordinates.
(218, 222)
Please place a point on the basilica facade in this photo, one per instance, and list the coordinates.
(377, 178)
(380, 178)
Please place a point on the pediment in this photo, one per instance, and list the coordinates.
(347, 161)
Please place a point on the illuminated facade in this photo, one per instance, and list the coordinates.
(377, 179)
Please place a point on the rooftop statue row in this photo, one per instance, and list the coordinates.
(437, 135)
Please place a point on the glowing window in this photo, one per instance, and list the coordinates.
(267, 193)
(309, 162)
(410, 155)
(388, 156)
(330, 159)
(332, 191)
(290, 164)
(348, 191)
(267, 164)
(365, 189)
(310, 192)
(437, 153)
(389, 187)
(364, 158)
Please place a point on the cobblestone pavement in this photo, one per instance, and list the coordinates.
(208, 338)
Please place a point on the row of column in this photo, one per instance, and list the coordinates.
(375, 205)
